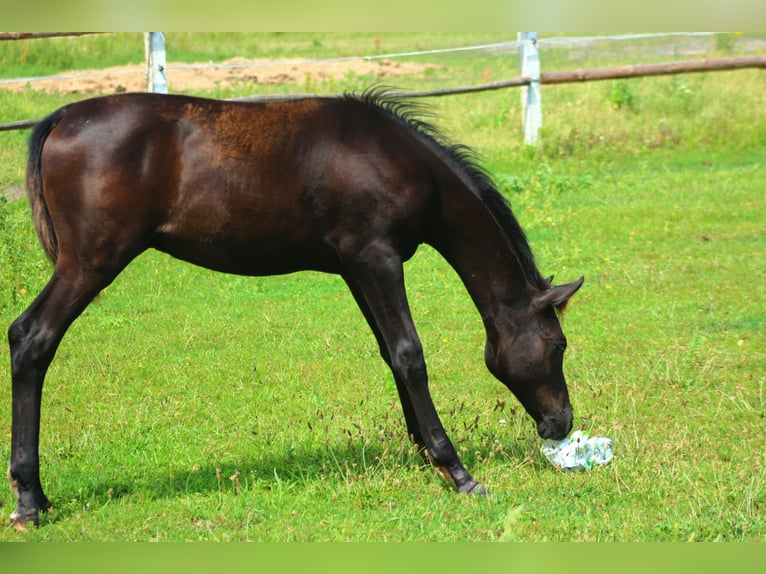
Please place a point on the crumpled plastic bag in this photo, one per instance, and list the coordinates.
(579, 451)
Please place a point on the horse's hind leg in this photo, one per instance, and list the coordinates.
(34, 338)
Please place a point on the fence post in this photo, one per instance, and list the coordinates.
(529, 64)
(156, 79)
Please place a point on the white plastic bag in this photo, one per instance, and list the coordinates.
(579, 451)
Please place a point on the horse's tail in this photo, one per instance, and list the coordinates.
(40, 214)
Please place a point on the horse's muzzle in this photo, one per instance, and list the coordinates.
(556, 426)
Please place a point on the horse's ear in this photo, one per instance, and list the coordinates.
(556, 296)
(549, 281)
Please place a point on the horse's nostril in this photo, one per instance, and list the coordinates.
(555, 427)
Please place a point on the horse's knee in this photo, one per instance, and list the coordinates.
(16, 332)
(407, 360)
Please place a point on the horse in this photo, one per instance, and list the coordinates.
(349, 185)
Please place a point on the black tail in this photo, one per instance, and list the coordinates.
(40, 214)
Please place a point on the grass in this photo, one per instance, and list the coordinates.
(189, 405)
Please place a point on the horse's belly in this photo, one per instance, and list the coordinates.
(257, 256)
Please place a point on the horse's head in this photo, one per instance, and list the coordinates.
(525, 350)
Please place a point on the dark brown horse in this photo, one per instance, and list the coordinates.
(346, 185)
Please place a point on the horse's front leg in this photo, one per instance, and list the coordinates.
(439, 447)
(410, 419)
(378, 275)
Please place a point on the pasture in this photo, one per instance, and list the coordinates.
(190, 405)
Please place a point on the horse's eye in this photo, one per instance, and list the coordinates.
(559, 344)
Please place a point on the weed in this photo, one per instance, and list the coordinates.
(726, 42)
(621, 95)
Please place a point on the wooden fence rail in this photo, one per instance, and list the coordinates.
(565, 77)
(642, 70)
(34, 35)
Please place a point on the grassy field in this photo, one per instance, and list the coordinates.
(189, 405)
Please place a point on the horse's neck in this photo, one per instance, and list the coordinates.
(474, 244)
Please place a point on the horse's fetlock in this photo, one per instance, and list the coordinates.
(22, 519)
(13, 482)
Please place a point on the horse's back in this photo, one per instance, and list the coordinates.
(240, 187)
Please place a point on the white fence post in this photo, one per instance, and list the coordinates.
(529, 64)
(156, 78)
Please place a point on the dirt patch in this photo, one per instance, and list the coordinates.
(12, 193)
(228, 74)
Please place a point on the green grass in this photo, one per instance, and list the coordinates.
(189, 405)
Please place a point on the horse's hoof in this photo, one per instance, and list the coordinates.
(21, 520)
(480, 490)
(473, 487)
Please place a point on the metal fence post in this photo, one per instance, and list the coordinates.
(156, 78)
(529, 64)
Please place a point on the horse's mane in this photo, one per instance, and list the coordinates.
(462, 159)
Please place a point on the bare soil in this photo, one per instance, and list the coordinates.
(234, 72)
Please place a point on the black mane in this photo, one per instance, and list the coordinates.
(464, 160)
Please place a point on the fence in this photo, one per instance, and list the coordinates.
(530, 80)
